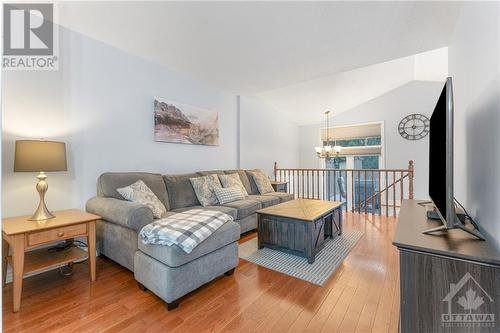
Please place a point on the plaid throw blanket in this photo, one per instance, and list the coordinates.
(186, 229)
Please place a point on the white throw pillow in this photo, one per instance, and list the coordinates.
(233, 180)
(263, 183)
(140, 193)
(229, 194)
(204, 188)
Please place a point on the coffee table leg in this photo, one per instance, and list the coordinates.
(340, 220)
(259, 230)
(330, 223)
(311, 259)
(310, 243)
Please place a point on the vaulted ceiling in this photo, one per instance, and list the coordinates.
(255, 47)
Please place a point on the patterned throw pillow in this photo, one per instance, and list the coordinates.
(233, 180)
(140, 193)
(262, 182)
(204, 188)
(229, 194)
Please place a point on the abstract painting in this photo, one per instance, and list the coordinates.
(182, 123)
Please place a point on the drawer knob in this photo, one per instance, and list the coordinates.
(60, 234)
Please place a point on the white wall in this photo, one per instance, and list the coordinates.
(413, 97)
(432, 65)
(475, 67)
(267, 136)
(100, 103)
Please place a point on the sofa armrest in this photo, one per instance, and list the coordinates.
(125, 213)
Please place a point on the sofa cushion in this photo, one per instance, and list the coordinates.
(243, 177)
(265, 200)
(204, 187)
(173, 256)
(233, 212)
(253, 186)
(281, 195)
(180, 190)
(231, 180)
(108, 182)
(263, 183)
(245, 207)
(229, 194)
(140, 193)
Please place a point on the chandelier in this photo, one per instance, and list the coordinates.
(327, 150)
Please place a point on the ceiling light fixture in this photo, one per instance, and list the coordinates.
(328, 151)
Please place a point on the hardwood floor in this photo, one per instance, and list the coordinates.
(361, 296)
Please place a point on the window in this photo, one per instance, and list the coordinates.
(361, 150)
(366, 162)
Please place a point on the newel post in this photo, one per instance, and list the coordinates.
(411, 171)
(275, 171)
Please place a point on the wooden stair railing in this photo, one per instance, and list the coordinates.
(368, 191)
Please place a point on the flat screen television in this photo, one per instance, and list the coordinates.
(441, 164)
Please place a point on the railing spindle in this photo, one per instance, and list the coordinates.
(352, 192)
(379, 195)
(296, 184)
(346, 192)
(387, 194)
(317, 182)
(401, 190)
(303, 185)
(366, 204)
(323, 185)
(308, 183)
(359, 191)
(394, 194)
(335, 185)
(411, 175)
(373, 194)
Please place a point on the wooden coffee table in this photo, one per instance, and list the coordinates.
(299, 226)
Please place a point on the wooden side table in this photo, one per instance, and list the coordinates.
(279, 186)
(22, 236)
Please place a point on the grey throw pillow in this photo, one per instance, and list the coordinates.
(229, 194)
(204, 188)
(263, 183)
(233, 180)
(141, 193)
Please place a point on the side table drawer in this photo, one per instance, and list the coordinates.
(51, 235)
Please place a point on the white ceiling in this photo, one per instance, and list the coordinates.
(253, 47)
(306, 102)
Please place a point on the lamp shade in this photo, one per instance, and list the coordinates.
(39, 155)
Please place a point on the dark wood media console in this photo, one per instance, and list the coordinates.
(448, 282)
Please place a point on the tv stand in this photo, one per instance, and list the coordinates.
(435, 272)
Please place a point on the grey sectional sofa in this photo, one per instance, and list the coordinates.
(167, 271)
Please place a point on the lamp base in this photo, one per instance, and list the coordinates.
(42, 212)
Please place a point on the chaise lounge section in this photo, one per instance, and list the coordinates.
(168, 271)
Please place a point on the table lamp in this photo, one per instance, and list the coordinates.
(40, 156)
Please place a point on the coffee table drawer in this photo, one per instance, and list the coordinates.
(51, 235)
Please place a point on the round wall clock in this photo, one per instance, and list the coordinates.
(414, 126)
